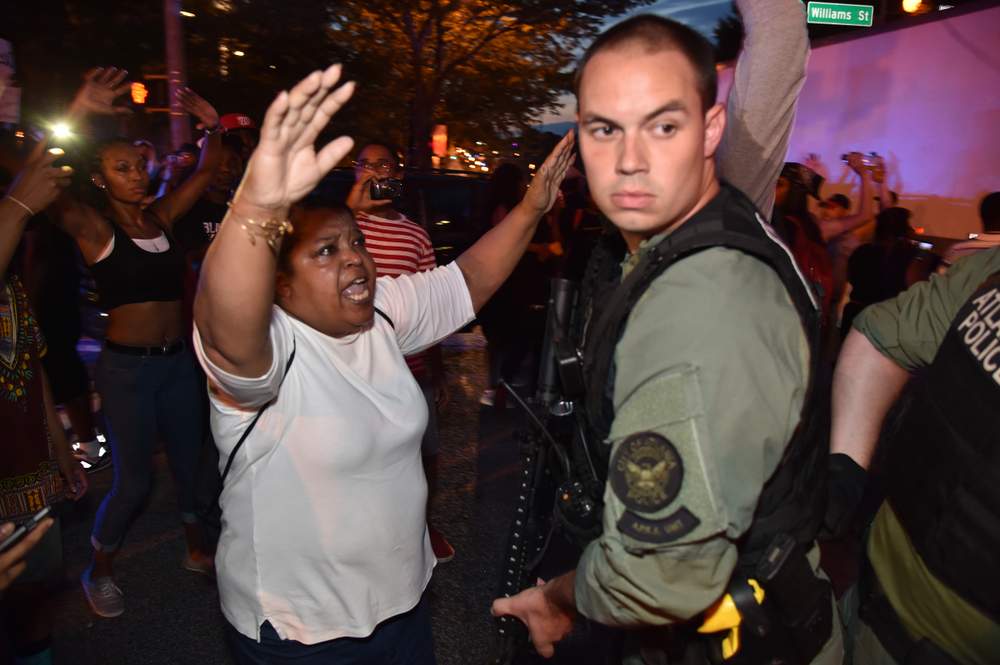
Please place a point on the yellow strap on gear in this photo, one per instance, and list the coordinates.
(724, 616)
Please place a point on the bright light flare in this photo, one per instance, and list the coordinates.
(239, 54)
(911, 6)
(61, 130)
(186, 14)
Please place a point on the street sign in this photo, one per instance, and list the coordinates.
(830, 13)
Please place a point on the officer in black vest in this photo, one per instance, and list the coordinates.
(932, 592)
(699, 360)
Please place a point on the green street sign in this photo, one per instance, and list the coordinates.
(831, 13)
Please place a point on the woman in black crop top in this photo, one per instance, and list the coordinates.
(146, 374)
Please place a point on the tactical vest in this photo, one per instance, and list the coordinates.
(943, 471)
(792, 500)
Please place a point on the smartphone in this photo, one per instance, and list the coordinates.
(24, 529)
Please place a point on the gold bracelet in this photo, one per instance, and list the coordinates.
(271, 230)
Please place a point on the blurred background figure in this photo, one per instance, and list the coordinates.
(989, 215)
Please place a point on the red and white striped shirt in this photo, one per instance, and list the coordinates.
(399, 247)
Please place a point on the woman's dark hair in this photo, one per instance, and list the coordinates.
(506, 188)
(656, 33)
(97, 152)
(311, 203)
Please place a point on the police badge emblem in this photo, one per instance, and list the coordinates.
(646, 472)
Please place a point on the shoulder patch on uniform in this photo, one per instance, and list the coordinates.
(660, 531)
(646, 472)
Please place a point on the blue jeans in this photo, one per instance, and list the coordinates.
(405, 639)
(141, 395)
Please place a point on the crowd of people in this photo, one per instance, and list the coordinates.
(743, 342)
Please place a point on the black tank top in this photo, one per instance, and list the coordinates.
(130, 274)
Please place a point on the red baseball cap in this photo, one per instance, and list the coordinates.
(232, 121)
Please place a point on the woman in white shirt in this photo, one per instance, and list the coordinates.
(324, 554)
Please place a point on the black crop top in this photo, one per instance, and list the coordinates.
(130, 274)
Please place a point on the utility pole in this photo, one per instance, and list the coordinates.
(180, 126)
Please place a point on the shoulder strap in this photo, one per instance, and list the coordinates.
(386, 317)
(253, 423)
(687, 240)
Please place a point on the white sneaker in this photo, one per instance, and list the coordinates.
(103, 595)
(92, 455)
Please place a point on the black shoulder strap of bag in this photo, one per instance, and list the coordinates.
(386, 317)
(253, 423)
(261, 410)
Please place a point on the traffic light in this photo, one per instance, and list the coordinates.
(139, 93)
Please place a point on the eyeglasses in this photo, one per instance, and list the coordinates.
(381, 166)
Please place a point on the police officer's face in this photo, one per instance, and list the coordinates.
(645, 142)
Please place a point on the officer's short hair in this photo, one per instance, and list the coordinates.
(989, 212)
(656, 33)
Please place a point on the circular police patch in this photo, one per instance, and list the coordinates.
(646, 472)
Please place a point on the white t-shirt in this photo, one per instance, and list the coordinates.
(324, 530)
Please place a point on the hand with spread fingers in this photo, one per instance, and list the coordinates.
(286, 165)
(544, 190)
(101, 87)
(193, 103)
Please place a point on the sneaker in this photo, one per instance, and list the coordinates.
(199, 562)
(103, 595)
(92, 455)
(443, 551)
(488, 397)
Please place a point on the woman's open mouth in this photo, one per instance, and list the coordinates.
(358, 291)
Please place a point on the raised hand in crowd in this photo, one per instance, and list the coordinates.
(834, 228)
(193, 103)
(491, 260)
(35, 187)
(101, 87)
(286, 165)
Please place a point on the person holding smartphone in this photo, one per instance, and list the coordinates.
(38, 468)
(12, 561)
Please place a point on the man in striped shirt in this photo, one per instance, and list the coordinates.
(400, 246)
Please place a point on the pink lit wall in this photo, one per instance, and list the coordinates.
(928, 98)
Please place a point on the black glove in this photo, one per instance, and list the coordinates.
(845, 486)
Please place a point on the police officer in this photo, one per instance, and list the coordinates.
(700, 362)
(931, 593)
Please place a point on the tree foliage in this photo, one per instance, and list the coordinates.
(481, 66)
(486, 68)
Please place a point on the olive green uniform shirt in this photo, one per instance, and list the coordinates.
(713, 359)
(909, 330)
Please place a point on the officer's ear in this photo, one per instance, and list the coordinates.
(715, 125)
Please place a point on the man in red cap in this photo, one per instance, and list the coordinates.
(245, 128)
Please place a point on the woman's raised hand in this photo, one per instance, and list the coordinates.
(193, 103)
(545, 185)
(286, 166)
(101, 87)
